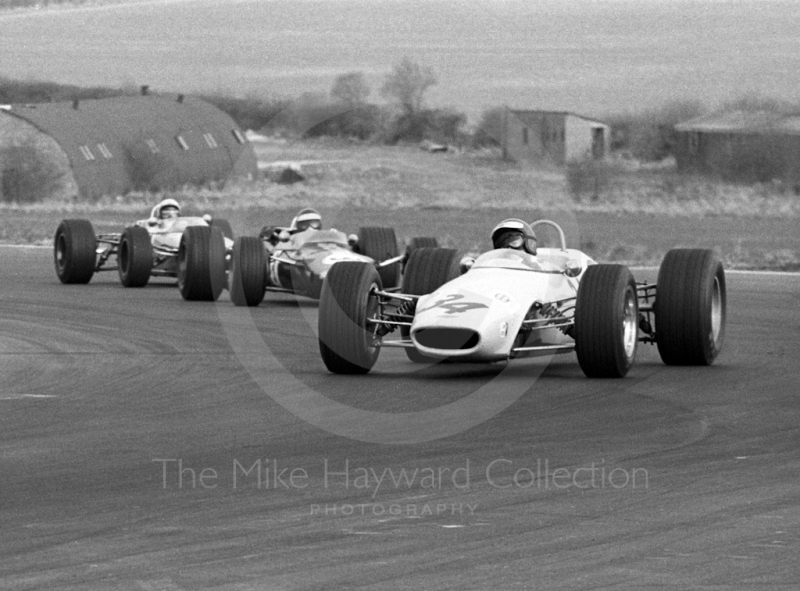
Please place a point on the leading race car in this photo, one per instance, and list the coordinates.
(299, 262)
(196, 250)
(509, 303)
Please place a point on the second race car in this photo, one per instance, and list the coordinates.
(297, 259)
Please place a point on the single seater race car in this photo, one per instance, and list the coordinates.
(507, 304)
(195, 250)
(298, 263)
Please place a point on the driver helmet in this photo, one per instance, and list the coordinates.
(169, 208)
(307, 218)
(516, 234)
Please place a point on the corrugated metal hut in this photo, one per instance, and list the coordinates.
(751, 146)
(120, 144)
(554, 137)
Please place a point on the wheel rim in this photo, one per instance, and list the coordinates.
(61, 252)
(716, 310)
(630, 324)
(123, 257)
(182, 265)
(373, 341)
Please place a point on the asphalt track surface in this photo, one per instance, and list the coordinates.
(684, 478)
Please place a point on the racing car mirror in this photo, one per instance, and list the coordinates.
(466, 263)
(284, 236)
(572, 268)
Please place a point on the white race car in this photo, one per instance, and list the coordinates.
(507, 303)
(196, 250)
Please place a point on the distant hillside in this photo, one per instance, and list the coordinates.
(19, 91)
(39, 4)
(588, 57)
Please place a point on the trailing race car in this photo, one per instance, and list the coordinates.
(298, 262)
(196, 250)
(510, 303)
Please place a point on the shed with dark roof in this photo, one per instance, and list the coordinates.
(120, 144)
(752, 146)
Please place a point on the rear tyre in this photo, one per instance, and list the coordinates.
(419, 242)
(346, 341)
(690, 307)
(74, 251)
(248, 271)
(426, 271)
(135, 257)
(379, 244)
(201, 263)
(606, 321)
(224, 227)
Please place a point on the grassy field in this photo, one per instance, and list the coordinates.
(459, 197)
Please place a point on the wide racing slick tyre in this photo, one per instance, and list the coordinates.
(690, 307)
(224, 227)
(426, 271)
(346, 342)
(380, 244)
(75, 251)
(606, 321)
(248, 274)
(419, 242)
(134, 257)
(201, 263)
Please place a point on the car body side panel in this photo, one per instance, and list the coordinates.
(166, 235)
(312, 253)
(493, 299)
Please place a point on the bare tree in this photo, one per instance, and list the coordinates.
(351, 88)
(407, 84)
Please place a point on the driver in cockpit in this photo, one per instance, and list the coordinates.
(161, 216)
(516, 234)
(306, 219)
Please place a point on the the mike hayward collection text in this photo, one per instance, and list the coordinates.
(500, 473)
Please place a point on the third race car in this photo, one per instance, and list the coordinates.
(195, 250)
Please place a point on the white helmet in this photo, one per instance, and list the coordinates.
(514, 233)
(307, 218)
(168, 204)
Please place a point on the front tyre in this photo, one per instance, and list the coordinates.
(74, 251)
(248, 271)
(134, 257)
(606, 321)
(690, 307)
(426, 271)
(201, 263)
(347, 342)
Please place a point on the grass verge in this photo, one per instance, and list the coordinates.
(459, 197)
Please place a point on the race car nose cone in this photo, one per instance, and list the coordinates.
(447, 338)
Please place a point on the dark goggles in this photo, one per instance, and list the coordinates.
(315, 224)
(511, 241)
